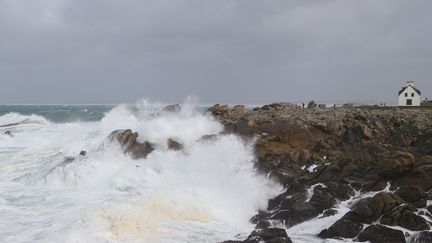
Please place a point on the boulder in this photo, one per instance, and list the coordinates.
(400, 163)
(369, 210)
(298, 208)
(404, 216)
(381, 234)
(344, 228)
(412, 195)
(83, 153)
(270, 235)
(128, 140)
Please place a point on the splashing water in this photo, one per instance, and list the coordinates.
(205, 193)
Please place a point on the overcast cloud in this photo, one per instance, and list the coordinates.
(228, 51)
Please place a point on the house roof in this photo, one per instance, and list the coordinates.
(409, 85)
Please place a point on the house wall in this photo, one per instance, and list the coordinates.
(416, 100)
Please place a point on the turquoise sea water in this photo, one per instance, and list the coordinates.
(59, 113)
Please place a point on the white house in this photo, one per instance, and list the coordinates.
(409, 95)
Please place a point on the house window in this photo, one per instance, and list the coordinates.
(409, 102)
(406, 94)
(412, 94)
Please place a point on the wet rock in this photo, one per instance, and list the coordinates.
(369, 210)
(174, 145)
(271, 235)
(417, 177)
(329, 212)
(399, 163)
(362, 149)
(404, 216)
(343, 228)
(172, 108)
(298, 208)
(128, 140)
(413, 195)
(380, 234)
(263, 224)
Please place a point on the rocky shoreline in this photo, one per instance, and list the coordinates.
(324, 156)
(378, 159)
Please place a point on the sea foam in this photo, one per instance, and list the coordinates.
(204, 193)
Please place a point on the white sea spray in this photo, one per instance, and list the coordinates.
(206, 193)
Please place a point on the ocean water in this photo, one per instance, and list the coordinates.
(206, 193)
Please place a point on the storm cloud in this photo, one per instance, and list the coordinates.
(244, 51)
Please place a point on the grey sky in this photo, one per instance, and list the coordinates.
(236, 51)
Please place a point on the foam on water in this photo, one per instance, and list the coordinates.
(206, 193)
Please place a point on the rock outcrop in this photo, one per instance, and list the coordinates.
(325, 155)
(128, 140)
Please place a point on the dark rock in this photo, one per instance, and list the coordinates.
(381, 234)
(83, 153)
(172, 108)
(429, 208)
(210, 137)
(174, 145)
(68, 160)
(297, 208)
(311, 104)
(280, 106)
(354, 148)
(329, 212)
(369, 210)
(400, 162)
(422, 237)
(128, 140)
(344, 228)
(9, 133)
(270, 235)
(413, 195)
(405, 217)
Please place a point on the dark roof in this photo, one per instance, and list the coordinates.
(404, 88)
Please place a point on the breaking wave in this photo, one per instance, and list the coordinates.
(204, 193)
